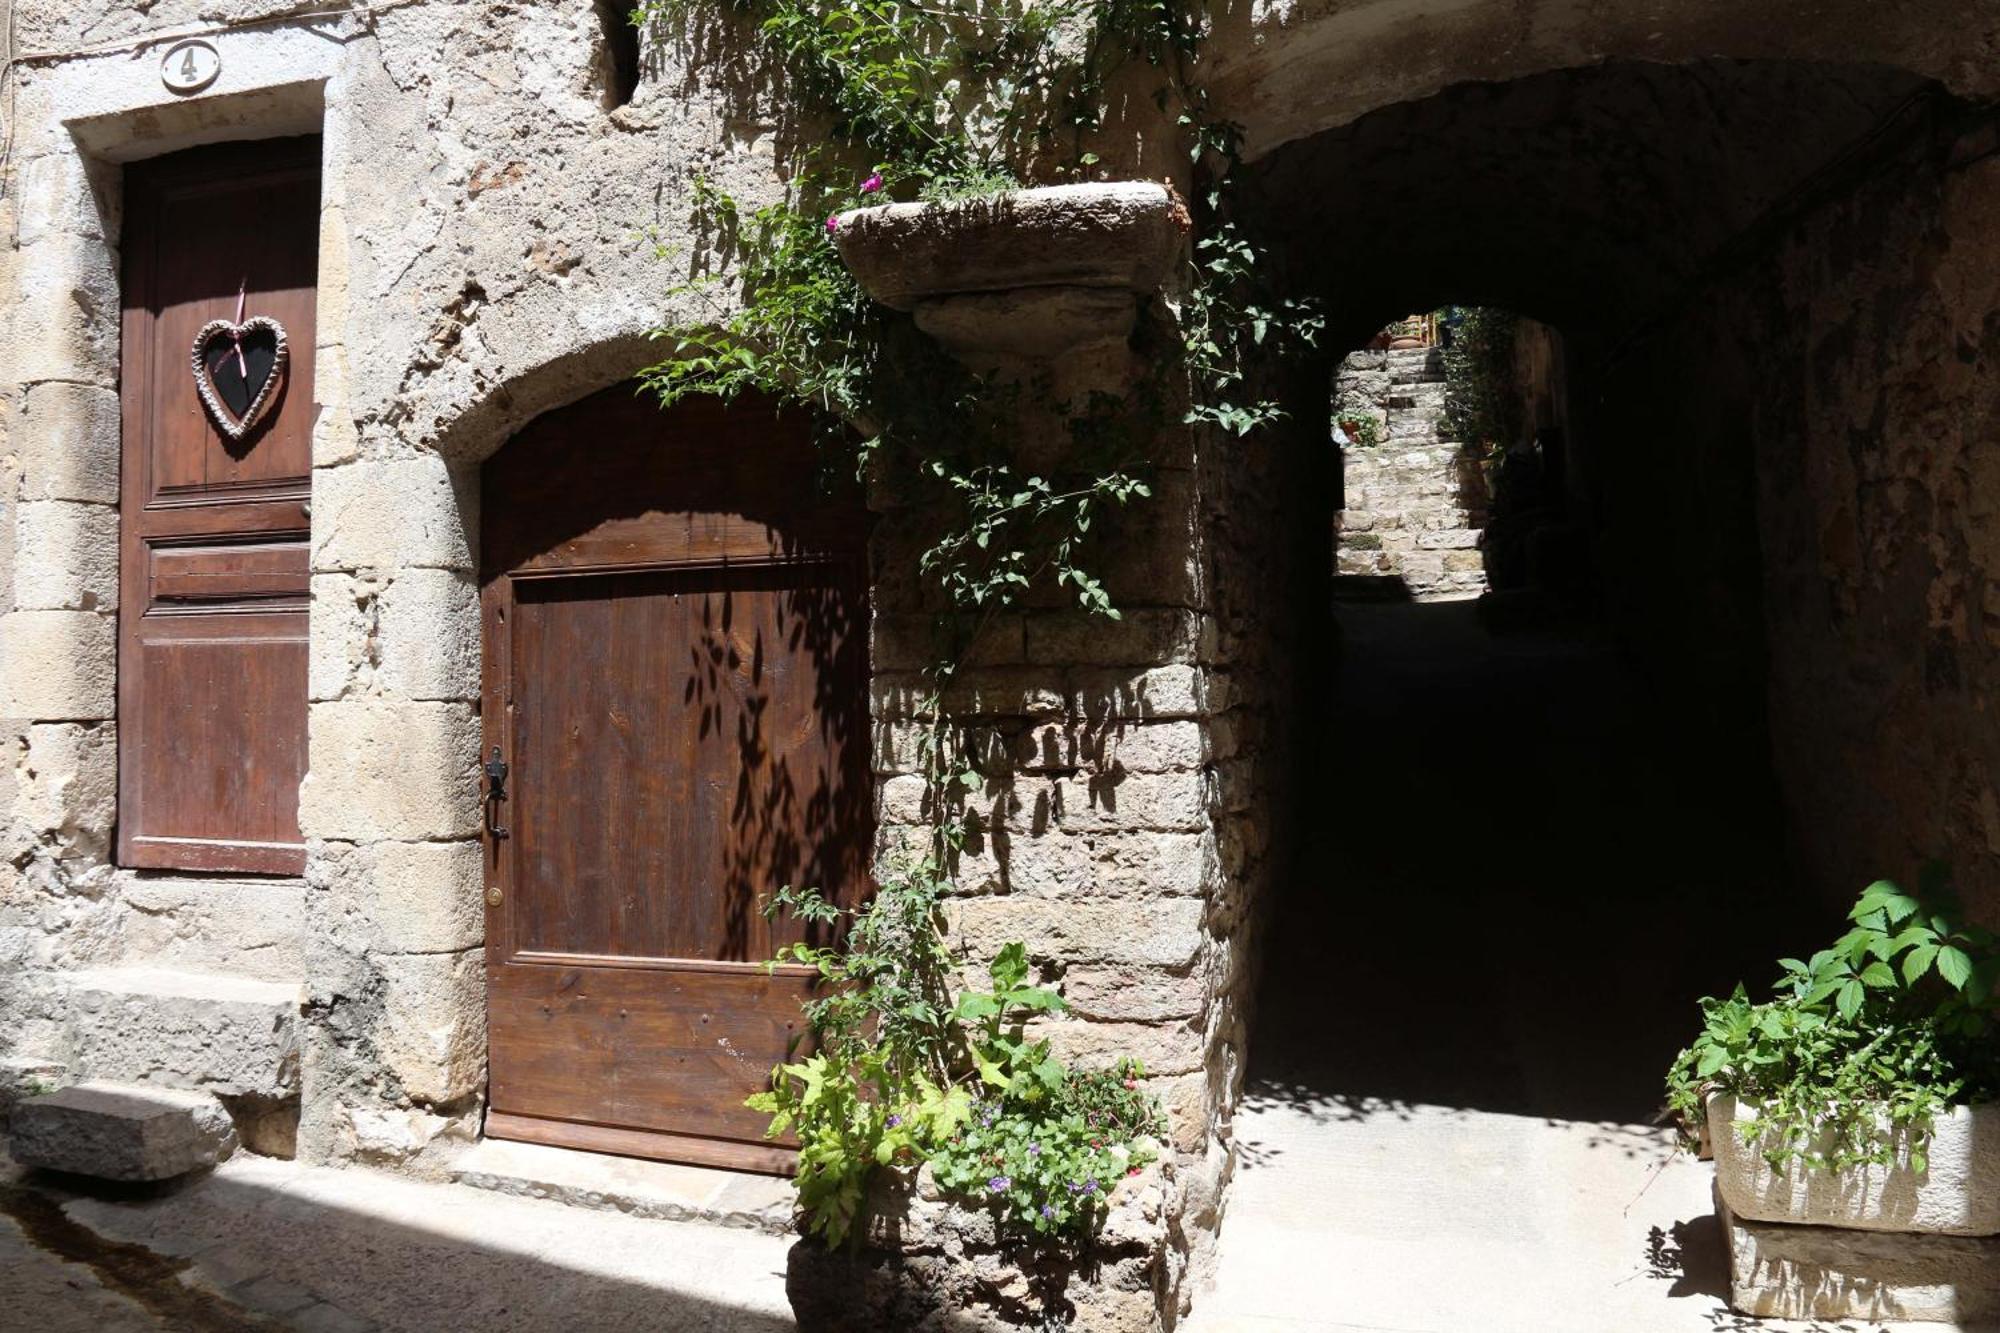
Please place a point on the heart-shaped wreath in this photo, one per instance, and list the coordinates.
(238, 366)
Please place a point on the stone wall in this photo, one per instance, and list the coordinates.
(1413, 503)
(1833, 510)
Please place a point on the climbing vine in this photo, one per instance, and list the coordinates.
(940, 101)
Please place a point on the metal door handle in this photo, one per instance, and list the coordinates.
(496, 792)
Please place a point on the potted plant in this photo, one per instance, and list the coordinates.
(1866, 1092)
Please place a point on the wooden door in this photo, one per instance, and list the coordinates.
(676, 676)
(213, 543)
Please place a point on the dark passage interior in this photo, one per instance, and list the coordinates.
(1523, 835)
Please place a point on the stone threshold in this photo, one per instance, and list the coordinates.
(630, 1185)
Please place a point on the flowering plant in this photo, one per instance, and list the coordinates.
(1047, 1165)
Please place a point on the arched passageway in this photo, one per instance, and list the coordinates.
(1528, 832)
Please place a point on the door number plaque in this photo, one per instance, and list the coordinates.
(190, 66)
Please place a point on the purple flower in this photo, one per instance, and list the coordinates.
(998, 1183)
(872, 184)
(894, 1121)
(833, 222)
(1048, 1210)
(1034, 1150)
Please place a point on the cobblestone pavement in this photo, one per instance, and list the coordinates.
(265, 1244)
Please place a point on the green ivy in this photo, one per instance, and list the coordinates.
(951, 100)
(1895, 1021)
(1482, 402)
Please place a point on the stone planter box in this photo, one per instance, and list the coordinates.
(1124, 235)
(1959, 1195)
(926, 1264)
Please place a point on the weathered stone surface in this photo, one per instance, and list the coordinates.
(1164, 932)
(1122, 235)
(221, 1034)
(398, 514)
(57, 665)
(72, 552)
(66, 786)
(1783, 1271)
(390, 769)
(432, 1034)
(627, 1185)
(929, 1265)
(398, 897)
(67, 437)
(118, 1131)
(245, 928)
(1958, 1194)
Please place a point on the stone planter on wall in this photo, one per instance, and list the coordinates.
(1032, 275)
(1869, 1242)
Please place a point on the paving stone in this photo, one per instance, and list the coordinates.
(628, 1185)
(122, 1132)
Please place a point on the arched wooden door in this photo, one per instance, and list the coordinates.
(676, 682)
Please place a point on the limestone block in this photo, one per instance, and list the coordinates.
(398, 897)
(428, 635)
(1958, 1195)
(1163, 933)
(117, 1131)
(1127, 993)
(341, 656)
(66, 786)
(1163, 692)
(1144, 636)
(66, 556)
(396, 1135)
(1058, 864)
(1176, 802)
(58, 199)
(1809, 1272)
(1164, 1050)
(58, 665)
(432, 1035)
(1148, 747)
(218, 1033)
(248, 928)
(390, 514)
(386, 769)
(66, 316)
(68, 441)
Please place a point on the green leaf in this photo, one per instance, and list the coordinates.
(973, 1005)
(1010, 966)
(1850, 999)
(1918, 961)
(1954, 965)
(1877, 975)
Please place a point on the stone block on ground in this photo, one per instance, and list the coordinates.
(197, 1030)
(1780, 1270)
(630, 1186)
(118, 1131)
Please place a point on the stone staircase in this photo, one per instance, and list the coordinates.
(1407, 529)
(168, 1069)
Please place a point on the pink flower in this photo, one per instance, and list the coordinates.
(833, 222)
(872, 184)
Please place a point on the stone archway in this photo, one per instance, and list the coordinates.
(1773, 281)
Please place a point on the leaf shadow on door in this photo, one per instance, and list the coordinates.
(777, 675)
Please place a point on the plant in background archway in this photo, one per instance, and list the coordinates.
(949, 100)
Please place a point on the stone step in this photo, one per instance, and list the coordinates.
(629, 1185)
(121, 1131)
(204, 1031)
